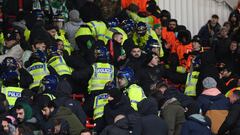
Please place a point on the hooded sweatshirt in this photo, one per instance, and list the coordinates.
(196, 125)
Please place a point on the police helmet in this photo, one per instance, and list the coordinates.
(39, 55)
(49, 84)
(141, 28)
(114, 22)
(9, 63)
(152, 43)
(126, 73)
(8, 75)
(128, 25)
(52, 51)
(58, 18)
(101, 53)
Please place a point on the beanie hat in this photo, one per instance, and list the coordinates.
(155, 26)
(74, 15)
(209, 82)
(27, 110)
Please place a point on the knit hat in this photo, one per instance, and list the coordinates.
(74, 15)
(27, 110)
(209, 82)
(155, 26)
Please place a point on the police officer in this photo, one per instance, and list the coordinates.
(97, 75)
(48, 86)
(38, 69)
(125, 81)
(58, 63)
(10, 87)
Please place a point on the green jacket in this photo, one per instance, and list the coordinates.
(74, 123)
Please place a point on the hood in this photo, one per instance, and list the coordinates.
(77, 23)
(27, 110)
(63, 89)
(148, 106)
(63, 111)
(122, 123)
(211, 92)
(170, 101)
(199, 118)
(123, 101)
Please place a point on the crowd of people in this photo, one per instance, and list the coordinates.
(72, 67)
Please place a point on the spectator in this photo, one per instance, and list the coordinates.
(72, 26)
(209, 31)
(213, 104)
(150, 123)
(231, 122)
(120, 127)
(86, 132)
(196, 123)
(51, 112)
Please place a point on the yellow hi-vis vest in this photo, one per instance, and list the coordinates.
(52, 97)
(1, 38)
(12, 93)
(83, 31)
(135, 94)
(109, 34)
(190, 89)
(38, 70)
(153, 34)
(102, 73)
(98, 28)
(99, 102)
(230, 92)
(66, 43)
(60, 66)
(27, 33)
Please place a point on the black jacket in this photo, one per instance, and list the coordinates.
(64, 91)
(123, 107)
(232, 121)
(149, 123)
(148, 76)
(119, 128)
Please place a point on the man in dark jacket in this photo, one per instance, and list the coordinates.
(63, 94)
(232, 121)
(149, 123)
(120, 127)
(52, 113)
(209, 31)
(151, 73)
(196, 123)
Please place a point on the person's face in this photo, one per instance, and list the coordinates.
(214, 21)
(58, 24)
(40, 46)
(118, 38)
(233, 98)
(158, 31)
(233, 46)
(196, 46)
(110, 98)
(5, 126)
(155, 60)
(20, 114)
(162, 89)
(225, 73)
(122, 82)
(53, 32)
(224, 32)
(136, 52)
(172, 25)
(10, 43)
(60, 45)
(156, 50)
(233, 19)
(46, 111)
